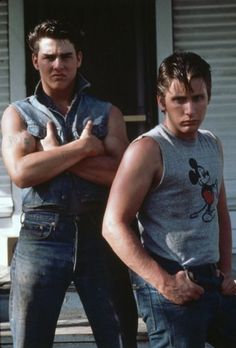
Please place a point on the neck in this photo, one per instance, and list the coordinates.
(62, 99)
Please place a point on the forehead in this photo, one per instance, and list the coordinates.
(197, 86)
(51, 46)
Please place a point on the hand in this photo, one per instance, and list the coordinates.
(228, 286)
(94, 145)
(50, 141)
(180, 289)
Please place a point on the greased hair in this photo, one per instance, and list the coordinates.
(55, 29)
(183, 66)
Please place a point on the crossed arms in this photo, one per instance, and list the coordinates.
(30, 161)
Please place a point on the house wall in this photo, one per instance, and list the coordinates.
(180, 24)
(12, 82)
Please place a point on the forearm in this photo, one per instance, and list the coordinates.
(37, 167)
(177, 288)
(100, 170)
(128, 247)
(225, 261)
(225, 233)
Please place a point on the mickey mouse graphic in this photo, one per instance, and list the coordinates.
(200, 175)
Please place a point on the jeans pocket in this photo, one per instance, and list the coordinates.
(145, 296)
(36, 230)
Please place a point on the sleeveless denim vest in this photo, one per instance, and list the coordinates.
(66, 192)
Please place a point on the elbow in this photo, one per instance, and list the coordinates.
(21, 183)
(20, 179)
(111, 231)
(107, 230)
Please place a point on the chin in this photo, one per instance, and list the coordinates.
(59, 85)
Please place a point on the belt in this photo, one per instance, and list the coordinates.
(206, 275)
(209, 269)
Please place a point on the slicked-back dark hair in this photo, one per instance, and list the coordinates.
(183, 66)
(55, 29)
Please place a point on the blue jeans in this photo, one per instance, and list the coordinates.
(53, 250)
(210, 319)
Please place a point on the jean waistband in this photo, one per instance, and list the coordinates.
(206, 269)
(208, 276)
(85, 209)
(173, 267)
(56, 216)
(92, 209)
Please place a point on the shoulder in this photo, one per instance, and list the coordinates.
(210, 136)
(115, 112)
(142, 162)
(94, 102)
(149, 139)
(14, 129)
(17, 112)
(154, 133)
(23, 107)
(11, 115)
(143, 149)
(213, 140)
(23, 103)
(205, 133)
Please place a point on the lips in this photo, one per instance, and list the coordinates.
(189, 123)
(58, 76)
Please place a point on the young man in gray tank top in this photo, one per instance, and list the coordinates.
(172, 177)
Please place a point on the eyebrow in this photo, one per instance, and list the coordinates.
(183, 96)
(62, 55)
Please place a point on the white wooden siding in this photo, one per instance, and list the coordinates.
(209, 29)
(6, 202)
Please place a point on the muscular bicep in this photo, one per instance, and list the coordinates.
(116, 140)
(138, 169)
(16, 141)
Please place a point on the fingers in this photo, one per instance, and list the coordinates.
(87, 131)
(50, 139)
(89, 126)
(228, 286)
(183, 289)
(50, 128)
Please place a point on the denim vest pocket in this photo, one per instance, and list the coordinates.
(36, 130)
(99, 127)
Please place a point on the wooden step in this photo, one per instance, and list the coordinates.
(70, 333)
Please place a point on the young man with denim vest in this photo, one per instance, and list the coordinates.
(62, 147)
(173, 176)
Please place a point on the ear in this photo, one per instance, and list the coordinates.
(35, 60)
(161, 103)
(79, 59)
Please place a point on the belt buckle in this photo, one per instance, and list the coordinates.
(22, 218)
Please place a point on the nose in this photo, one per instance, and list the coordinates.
(189, 108)
(58, 63)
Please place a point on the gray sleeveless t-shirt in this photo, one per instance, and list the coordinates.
(179, 217)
